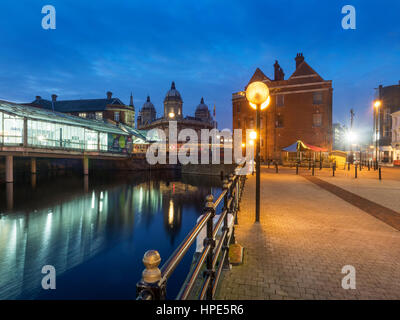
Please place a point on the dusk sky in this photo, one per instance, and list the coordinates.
(209, 48)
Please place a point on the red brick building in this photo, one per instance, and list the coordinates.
(300, 109)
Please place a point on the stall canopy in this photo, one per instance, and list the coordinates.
(302, 146)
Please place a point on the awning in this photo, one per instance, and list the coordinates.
(302, 146)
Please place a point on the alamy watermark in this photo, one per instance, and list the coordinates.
(49, 20)
(349, 20)
(184, 147)
(349, 280)
(49, 280)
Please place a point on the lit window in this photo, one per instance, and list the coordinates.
(99, 115)
(116, 116)
(317, 97)
(82, 114)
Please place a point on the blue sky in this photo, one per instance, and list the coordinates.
(209, 48)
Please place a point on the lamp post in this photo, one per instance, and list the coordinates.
(377, 105)
(257, 93)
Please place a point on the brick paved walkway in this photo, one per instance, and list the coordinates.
(306, 235)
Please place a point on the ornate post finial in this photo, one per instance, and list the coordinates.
(225, 184)
(209, 201)
(151, 260)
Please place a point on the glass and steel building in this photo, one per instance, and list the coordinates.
(39, 128)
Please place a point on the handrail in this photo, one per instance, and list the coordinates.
(176, 257)
(214, 254)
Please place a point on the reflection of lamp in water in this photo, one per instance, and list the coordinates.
(171, 213)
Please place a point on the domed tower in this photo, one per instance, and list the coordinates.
(202, 112)
(147, 114)
(173, 104)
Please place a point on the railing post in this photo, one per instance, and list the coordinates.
(210, 241)
(150, 284)
(225, 247)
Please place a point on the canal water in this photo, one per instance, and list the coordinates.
(95, 231)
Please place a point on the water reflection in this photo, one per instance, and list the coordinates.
(61, 223)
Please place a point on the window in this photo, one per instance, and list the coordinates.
(13, 130)
(317, 97)
(116, 116)
(91, 140)
(317, 119)
(82, 114)
(280, 100)
(279, 121)
(238, 108)
(238, 124)
(99, 115)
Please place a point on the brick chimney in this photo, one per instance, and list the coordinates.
(38, 98)
(54, 97)
(278, 75)
(299, 59)
(109, 95)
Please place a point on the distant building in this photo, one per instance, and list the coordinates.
(173, 104)
(339, 136)
(100, 109)
(300, 109)
(396, 137)
(390, 97)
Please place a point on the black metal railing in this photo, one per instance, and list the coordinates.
(213, 258)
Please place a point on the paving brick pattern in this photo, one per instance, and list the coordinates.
(305, 237)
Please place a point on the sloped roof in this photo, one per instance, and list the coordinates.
(80, 105)
(259, 76)
(304, 69)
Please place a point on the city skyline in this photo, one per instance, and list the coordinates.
(142, 48)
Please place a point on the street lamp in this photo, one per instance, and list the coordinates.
(377, 105)
(257, 93)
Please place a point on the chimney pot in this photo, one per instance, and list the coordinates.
(54, 97)
(299, 59)
(109, 95)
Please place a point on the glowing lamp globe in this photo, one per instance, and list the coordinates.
(257, 93)
(377, 103)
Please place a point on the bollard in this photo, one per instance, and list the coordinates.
(333, 169)
(297, 168)
(313, 169)
(380, 173)
(268, 164)
(309, 165)
(360, 167)
(320, 165)
(369, 165)
(276, 167)
(348, 166)
(355, 171)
